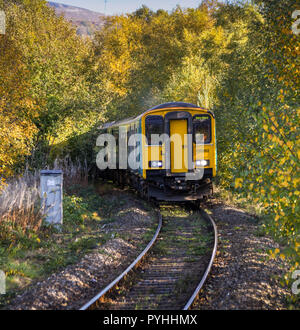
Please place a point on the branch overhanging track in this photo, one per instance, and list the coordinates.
(166, 281)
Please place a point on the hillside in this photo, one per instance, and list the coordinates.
(87, 21)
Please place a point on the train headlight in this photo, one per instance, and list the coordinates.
(202, 162)
(155, 164)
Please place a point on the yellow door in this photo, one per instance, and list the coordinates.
(179, 147)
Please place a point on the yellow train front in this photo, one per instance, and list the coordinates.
(179, 166)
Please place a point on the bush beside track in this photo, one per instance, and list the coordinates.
(94, 222)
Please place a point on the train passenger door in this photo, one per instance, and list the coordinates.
(179, 145)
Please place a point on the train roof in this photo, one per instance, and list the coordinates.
(175, 105)
(179, 105)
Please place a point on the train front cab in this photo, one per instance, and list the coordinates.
(167, 164)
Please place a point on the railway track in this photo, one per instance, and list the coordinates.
(176, 263)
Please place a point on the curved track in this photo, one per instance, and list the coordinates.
(177, 257)
(126, 271)
(204, 277)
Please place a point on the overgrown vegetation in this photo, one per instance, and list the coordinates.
(29, 257)
(239, 59)
(20, 213)
(46, 96)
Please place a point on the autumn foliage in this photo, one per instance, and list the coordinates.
(240, 60)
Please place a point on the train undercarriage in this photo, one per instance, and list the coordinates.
(159, 187)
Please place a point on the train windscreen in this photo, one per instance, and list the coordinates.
(202, 125)
(154, 125)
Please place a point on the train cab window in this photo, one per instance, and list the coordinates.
(202, 125)
(154, 125)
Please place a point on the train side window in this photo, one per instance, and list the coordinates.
(154, 125)
(202, 125)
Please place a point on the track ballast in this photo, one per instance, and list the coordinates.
(175, 265)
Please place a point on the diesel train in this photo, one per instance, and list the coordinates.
(179, 165)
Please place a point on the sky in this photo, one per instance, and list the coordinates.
(125, 6)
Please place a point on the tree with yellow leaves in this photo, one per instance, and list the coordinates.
(17, 108)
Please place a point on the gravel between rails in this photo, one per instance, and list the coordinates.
(70, 288)
(172, 270)
(242, 276)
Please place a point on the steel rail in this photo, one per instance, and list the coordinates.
(200, 285)
(127, 270)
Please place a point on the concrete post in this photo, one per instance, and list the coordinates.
(52, 196)
(2, 282)
(2, 22)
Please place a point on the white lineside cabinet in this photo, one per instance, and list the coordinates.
(52, 196)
